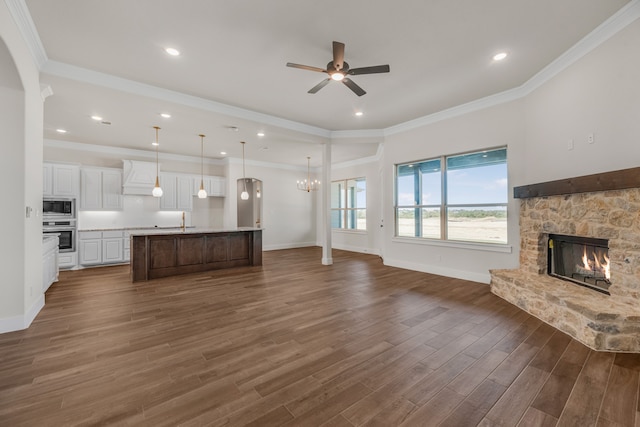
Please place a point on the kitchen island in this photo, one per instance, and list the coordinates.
(162, 253)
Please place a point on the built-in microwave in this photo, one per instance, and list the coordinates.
(58, 207)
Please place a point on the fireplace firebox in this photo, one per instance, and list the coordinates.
(581, 260)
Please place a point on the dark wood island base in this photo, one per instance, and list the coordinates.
(163, 254)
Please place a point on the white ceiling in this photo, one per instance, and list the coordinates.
(107, 58)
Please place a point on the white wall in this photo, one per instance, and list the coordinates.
(289, 218)
(502, 125)
(599, 94)
(21, 109)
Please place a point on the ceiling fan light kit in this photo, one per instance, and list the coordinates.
(338, 70)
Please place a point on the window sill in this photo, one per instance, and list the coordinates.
(488, 247)
(348, 231)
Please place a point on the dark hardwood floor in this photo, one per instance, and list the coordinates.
(297, 343)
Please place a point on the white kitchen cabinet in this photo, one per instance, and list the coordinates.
(176, 192)
(112, 250)
(101, 247)
(126, 253)
(218, 186)
(91, 251)
(168, 182)
(90, 189)
(215, 186)
(60, 180)
(49, 262)
(112, 190)
(184, 198)
(67, 259)
(47, 179)
(100, 189)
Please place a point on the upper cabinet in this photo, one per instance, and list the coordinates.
(214, 186)
(100, 189)
(176, 192)
(60, 180)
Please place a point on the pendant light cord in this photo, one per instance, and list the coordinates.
(244, 176)
(157, 167)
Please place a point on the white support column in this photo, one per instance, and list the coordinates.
(325, 188)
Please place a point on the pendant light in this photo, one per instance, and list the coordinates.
(306, 184)
(157, 190)
(244, 195)
(202, 194)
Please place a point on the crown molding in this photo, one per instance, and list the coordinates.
(19, 11)
(85, 75)
(22, 18)
(362, 133)
(120, 151)
(363, 161)
(617, 22)
(625, 16)
(145, 154)
(459, 110)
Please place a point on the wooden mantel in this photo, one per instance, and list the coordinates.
(617, 180)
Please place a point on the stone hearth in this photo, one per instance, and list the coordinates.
(602, 322)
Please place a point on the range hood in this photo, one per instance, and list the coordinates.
(138, 177)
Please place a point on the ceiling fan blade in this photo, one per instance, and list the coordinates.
(319, 86)
(369, 70)
(306, 67)
(338, 55)
(354, 87)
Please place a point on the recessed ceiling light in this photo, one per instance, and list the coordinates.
(224, 153)
(172, 51)
(260, 133)
(359, 113)
(499, 56)
(155, 143)
(165, 115)
(97, 118)
(61, 131)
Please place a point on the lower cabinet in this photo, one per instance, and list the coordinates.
(49, 263)
(68, 259)
(101, 247)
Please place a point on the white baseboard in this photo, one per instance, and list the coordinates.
(18, 323)
(441, 271)
(357, 249)
(287, 246)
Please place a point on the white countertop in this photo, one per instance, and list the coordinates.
(133, 228)
(159, 231)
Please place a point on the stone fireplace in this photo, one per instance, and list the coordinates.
(600, 208)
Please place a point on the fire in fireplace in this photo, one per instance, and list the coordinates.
(581, 260)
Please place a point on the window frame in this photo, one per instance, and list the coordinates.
(444, 206)
(344, 211)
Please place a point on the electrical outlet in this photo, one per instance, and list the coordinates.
(590, 138)
(570, 144)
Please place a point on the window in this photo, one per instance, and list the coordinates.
(349, 204)
(461, 197)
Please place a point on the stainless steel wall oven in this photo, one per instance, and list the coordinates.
(66, 230)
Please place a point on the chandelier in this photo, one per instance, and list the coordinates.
(306, 184)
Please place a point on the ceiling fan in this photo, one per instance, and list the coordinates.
(338, 70)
